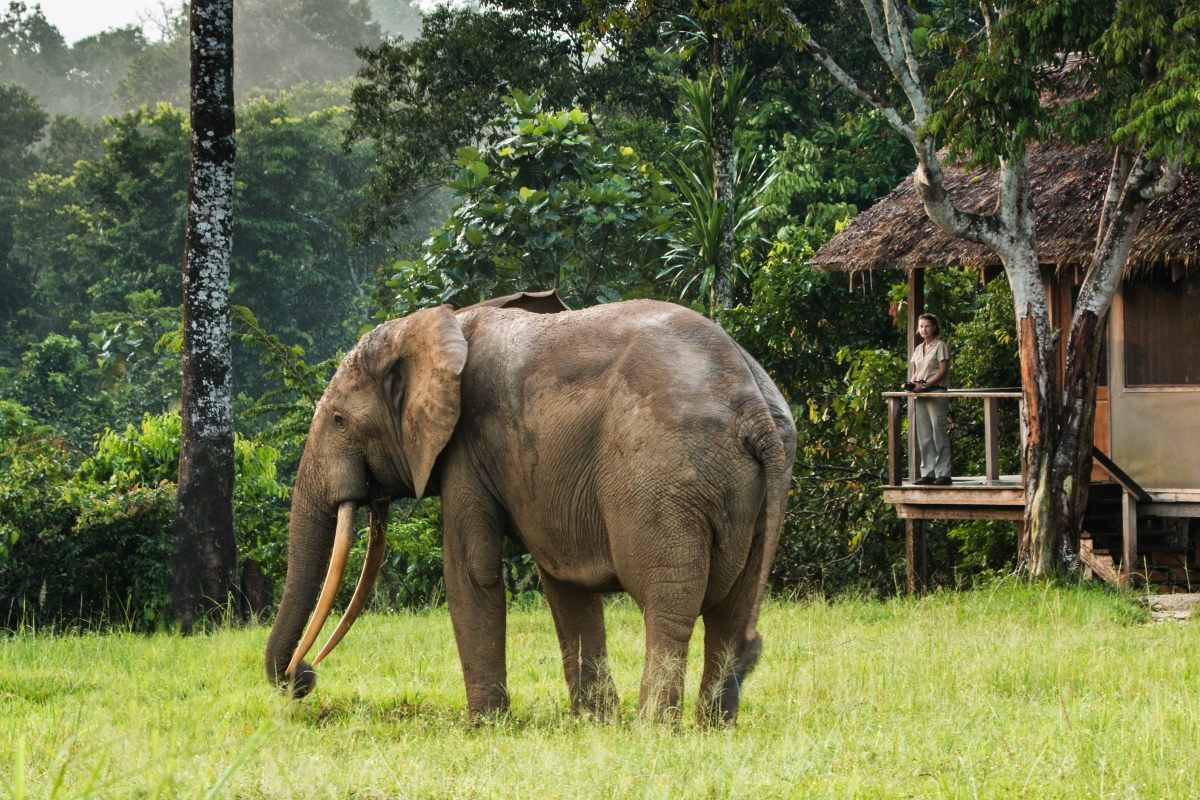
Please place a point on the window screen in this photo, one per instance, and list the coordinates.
(1162, 331)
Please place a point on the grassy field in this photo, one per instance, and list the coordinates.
(1013, 690)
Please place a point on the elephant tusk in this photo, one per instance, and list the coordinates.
(333, 579)
(376, 545)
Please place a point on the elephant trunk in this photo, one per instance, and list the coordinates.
(314, 534)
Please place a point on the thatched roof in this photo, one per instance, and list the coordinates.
(1068, 183)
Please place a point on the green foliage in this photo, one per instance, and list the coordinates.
(93, 541)
(112, 228)
(90, 237)
(51, 383)
(550, 206)
(281, 414)
(833, 171)
(420, 101)
(412, 572)
(22, 122)
(1127, 72)
(292, 260)
(710, 105)
(127, 369)
(78, 549)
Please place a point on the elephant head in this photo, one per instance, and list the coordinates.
(384, 418)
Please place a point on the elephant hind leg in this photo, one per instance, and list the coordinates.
(579, 621)
(732, 645)
(667, 636)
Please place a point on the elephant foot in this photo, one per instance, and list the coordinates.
(483, 706)
(720, 707)
(600, 701)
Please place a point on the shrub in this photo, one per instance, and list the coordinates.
(91, 540)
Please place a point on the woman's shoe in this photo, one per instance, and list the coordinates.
(943, 481)
(923, 482)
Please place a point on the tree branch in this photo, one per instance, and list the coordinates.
(929, 178)
(902, 42)
(1122, 164)
(856, 86)
(1168, 182)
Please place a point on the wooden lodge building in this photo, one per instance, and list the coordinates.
(1143, 519)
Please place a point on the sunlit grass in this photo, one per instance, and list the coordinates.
(1013, 690)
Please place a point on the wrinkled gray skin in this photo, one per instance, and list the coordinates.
(632, 446)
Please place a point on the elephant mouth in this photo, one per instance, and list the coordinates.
(343, 538)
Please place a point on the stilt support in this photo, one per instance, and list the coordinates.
(1129, 542)
(914, 549)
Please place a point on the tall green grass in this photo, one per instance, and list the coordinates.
(1014, 690)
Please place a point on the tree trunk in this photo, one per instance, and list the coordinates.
(723, 176)
(1039, 420)
(723, 173)
(206, 565)
(1133, 184)
(1040, 409)
(1011, 233)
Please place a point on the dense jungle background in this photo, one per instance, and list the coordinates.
(389, 159)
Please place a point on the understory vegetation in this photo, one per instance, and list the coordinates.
(1015, 690)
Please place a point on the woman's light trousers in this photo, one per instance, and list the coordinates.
(933, 443)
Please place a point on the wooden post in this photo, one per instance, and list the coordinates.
(895, 443)
(916, 307)
(1128, 539)
(914, 554)
(991, 443)
(1024, 436)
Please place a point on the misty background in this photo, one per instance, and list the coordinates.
(280, 44)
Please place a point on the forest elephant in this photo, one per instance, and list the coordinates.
(632, 446)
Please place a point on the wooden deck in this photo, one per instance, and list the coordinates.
(966, 498)
(987, 496)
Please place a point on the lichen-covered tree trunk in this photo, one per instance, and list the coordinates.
(205, 569)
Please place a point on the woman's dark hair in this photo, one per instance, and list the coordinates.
(933, 320)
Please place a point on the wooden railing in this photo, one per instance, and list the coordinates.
(991, 437)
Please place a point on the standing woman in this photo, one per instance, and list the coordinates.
(929, 367)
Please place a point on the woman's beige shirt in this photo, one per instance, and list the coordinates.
(926, 359)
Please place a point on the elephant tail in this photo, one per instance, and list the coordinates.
(773, 444)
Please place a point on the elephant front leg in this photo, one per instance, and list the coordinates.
(474, 575)
(579, 621)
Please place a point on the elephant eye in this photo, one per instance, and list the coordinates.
(339, 420)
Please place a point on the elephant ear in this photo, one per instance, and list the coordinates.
(427, 355)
